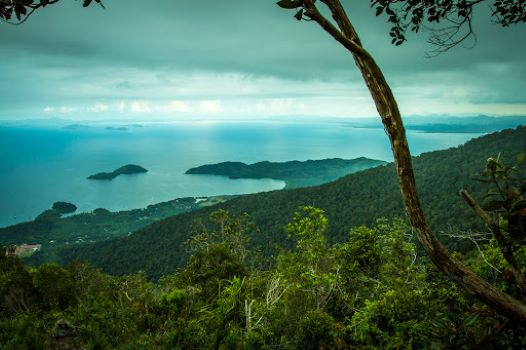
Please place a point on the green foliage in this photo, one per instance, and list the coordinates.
(317, 330)
(22, 332)
(309, 227)
(368, 292)
(207, 268)
(506, 199)
(55, 287)
(16, 288)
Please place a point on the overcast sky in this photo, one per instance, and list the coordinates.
(183, 59)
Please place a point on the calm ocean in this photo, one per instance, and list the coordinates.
(39, 166)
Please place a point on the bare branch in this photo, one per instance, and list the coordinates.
(476, 238)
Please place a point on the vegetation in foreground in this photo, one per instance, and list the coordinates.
(371, 291)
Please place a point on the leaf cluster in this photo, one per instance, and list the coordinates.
(22, 9)
(368, 292)
(447, 21)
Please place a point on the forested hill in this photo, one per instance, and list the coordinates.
(294, 173)
(353, 200)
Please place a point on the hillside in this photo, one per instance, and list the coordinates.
(354, 200)
(54, 232)
(294, 173)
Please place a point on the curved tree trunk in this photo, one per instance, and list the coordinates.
(388, 110)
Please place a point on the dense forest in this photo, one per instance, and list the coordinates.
(294, 173)
(368, 291)
(357, 199)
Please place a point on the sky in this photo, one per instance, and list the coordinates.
(172, 60)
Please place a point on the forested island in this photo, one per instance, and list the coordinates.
(123, 170)
(294, 173)
(64, 207)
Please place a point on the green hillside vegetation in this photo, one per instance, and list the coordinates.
(294, 173)
(123, 170)
(367, 292)
(54, 231)
(354, 200)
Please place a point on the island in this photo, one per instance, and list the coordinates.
(123, 170)
(294, 173)
(117, 128)
(64, 207)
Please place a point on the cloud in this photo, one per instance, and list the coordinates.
(99, 63)
(138, 107)
(174, 107)
(210, 106)
(121, 106)
(99, 108)
(66, 109)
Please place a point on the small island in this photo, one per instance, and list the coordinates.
(64, 207)
(123, 170)
(294, 173)
(116, 128)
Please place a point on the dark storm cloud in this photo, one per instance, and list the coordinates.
(159, 50)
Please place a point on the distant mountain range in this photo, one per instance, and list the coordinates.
(447, 124)
(428, 123)
(356, 199)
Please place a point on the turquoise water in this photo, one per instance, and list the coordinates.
(39, 166)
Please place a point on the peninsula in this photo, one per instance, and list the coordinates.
(294, 173)
(123, 170)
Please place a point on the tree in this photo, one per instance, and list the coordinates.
(342, 30)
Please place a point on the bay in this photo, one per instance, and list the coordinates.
(39, 166)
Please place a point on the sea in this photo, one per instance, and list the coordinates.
(42, 165)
